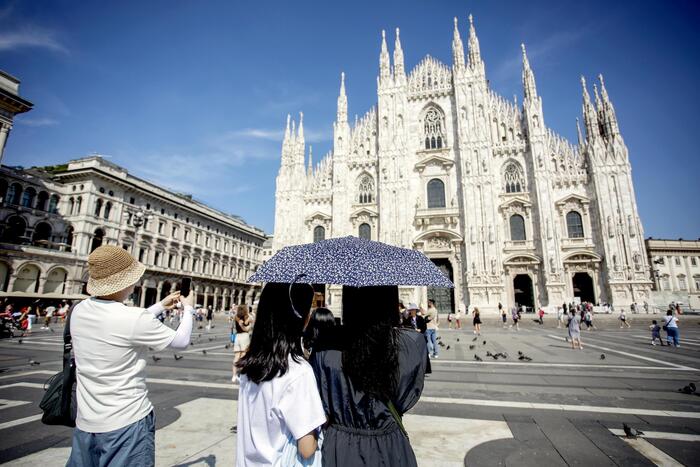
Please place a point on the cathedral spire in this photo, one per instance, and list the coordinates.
(598, 102)
(398, 58)
(301, 128)
(457, 49)
(529, 87)
(384, 64)
(286, 132)
(610, 116)
(578, 133)
(590, 119)
(342, 114)
(474, 51)
(293, 136)
(310, 170)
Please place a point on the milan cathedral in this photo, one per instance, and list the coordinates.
(510, 210)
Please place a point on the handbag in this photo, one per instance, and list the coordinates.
(59, 404)
(290, 457)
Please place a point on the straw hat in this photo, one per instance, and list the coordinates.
(112, 269)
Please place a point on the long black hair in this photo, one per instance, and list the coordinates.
(319, 328)
(277, 331)
(371, 354)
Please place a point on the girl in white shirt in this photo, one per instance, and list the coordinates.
(278, 400)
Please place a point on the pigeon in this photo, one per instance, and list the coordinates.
(686, 390)
(234, 429)
(519, 352)
(527, 359)
(484, 342)
(191, 343)
(52, 330)
(495, 357)
(204, 351)
(477, 358)
(227, 346)
(19, 341)
(475, 338)
(458, 339)
(155, 359)
(602, 356)
(692, 386)
(177, 357)
(211, 339)
(631, 432)
(150, 348)
(489, 354)
(471, 347)
(34, 363)
(447, 348)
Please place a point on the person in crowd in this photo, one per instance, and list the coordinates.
(318, 329)
(432, 322)
(588, 319)
(115, 422)
(623, 319)
(49, 311)
(461, 311)
(476, 321)
(403, 312)
(575, 330)
(31, 317)
(671, 326)
(540, 314)
(210, 317)
(374, 376)
(243, 323)
(655, 333)
(504, 315)
(414, 320)
(278, 400)
(515, 316)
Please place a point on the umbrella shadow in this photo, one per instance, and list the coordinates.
(209, 460)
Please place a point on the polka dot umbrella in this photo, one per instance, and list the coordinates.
(351, 261)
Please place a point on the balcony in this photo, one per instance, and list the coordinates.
(519, 245)
(576, 243)
(431, 216)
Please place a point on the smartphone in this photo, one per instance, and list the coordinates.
(185, 286)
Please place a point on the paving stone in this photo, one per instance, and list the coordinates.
(611, 445)
(574, 447)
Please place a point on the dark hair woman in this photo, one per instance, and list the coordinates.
(242, 325)
(369, 381)
(319, 329)
(278, 402)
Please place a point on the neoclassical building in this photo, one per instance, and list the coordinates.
(51, 218)
(509, 209)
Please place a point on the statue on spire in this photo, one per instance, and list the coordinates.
(474, 50)
(301, 128)
(457, 48)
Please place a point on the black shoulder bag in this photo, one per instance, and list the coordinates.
(59, 404)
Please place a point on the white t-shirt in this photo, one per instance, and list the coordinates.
(110, 342)
(268, 413)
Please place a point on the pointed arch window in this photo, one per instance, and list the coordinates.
(365, 231)
(366, 189)
(513, 178)
(436, 193)
(319, 234)
(574, 224)
(434, 129)
(517, 228)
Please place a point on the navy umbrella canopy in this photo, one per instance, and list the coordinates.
(351, 261)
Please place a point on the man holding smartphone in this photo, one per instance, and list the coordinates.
(115, 423)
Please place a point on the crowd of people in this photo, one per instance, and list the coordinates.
(19, 319)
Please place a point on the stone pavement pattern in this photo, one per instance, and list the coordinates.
(565, 407)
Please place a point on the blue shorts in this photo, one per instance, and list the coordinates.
(133, 446)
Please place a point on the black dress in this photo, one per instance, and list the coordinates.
(361, 429)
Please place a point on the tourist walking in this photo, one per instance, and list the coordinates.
(210, 317)
(476, 321)
(671, 326)
(414, 320)
(575, 331)
(623, 319)
(588, 319)
(655, 333)
(515, 316)
(243, 325)
(540, 313)
(432, 321)
(504, 315)
(49, 311)
(374, 376)
(279, 408)
(461, 311)
(115, 422)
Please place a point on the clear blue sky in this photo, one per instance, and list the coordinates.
(194, 95)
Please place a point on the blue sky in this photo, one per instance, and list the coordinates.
(194, 95)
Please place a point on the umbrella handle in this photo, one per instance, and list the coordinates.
(291, 302)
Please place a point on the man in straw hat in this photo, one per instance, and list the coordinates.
(115, 424)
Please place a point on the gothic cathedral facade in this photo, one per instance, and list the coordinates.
(513, 212)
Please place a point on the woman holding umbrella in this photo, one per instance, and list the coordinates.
(369, 381)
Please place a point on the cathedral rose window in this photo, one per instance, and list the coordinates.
(433, 127)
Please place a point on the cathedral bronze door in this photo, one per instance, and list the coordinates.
(444, 297)
(583, 287)
(522, 291)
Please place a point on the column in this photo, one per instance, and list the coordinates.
(142, 298)
(4, 131)
(42, 283)
(159, 290)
